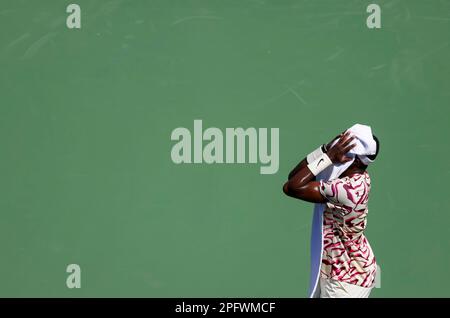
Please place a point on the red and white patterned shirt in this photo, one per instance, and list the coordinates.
(347, 255)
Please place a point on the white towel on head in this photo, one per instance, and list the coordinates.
(365, 145)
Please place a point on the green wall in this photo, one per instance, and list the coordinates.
(86, 116)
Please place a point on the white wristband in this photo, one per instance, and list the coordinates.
(314, 155)
(320, 164)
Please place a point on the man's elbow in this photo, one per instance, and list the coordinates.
(290, 191)
(287, 189)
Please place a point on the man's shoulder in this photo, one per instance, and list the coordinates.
(355, 179)
(358, 177)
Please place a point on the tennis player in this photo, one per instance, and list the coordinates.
(348, 265)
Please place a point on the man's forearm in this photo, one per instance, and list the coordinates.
(297, 168)
(301, 183)
(301, 176)
(308, 159)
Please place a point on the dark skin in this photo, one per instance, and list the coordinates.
(301, 182)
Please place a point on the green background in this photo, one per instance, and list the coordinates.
(86, 116)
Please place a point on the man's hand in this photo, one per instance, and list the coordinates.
(337, 153)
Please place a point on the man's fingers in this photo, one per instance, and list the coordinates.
(346, 142)
(349, 147)
(343, 139)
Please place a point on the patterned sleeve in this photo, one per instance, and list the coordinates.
(338, 192)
